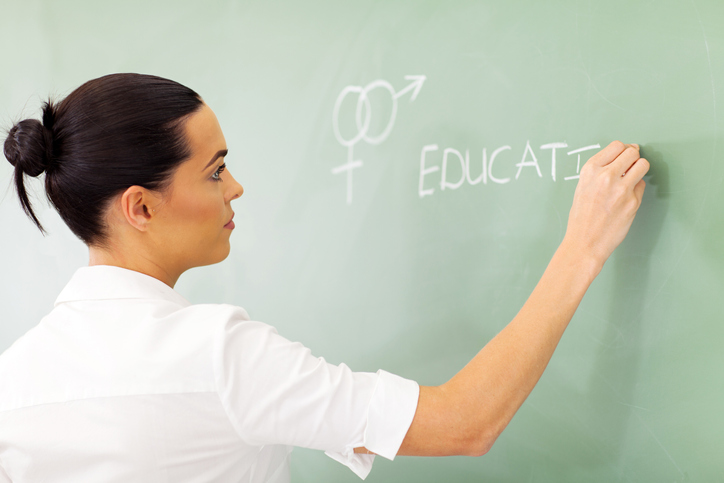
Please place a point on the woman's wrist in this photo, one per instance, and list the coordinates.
(582, 260)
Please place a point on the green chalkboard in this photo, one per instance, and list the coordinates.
(401, 200)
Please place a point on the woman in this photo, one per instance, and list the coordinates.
(126, 381)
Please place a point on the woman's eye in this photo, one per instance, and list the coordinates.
(217, 174)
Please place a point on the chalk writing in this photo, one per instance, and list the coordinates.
(452, 155)
(363, 117)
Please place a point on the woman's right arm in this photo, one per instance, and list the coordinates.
(465, 415)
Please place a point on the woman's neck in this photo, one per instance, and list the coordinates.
(135, 260)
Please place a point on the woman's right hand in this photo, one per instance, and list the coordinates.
(608, 194)
(465, 415)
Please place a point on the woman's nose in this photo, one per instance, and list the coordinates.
(235, 190)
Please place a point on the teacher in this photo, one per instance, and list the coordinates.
(124, 380)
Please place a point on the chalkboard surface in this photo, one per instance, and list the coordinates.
(408, 168)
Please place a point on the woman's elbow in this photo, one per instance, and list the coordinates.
(478, 444)
(481, 446)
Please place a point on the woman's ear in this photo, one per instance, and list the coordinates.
(137, 206)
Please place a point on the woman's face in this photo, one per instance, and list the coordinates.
(193, 221)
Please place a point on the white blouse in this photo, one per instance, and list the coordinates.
(127, 381)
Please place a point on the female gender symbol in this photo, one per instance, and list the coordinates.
(363, 124)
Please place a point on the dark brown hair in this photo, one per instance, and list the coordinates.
(111, 133)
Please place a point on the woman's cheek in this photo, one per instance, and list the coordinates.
(194, 210)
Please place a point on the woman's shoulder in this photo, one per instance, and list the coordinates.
(220, 322)
(220, 313)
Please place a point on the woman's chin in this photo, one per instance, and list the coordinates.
(218, 256)
(224, 252)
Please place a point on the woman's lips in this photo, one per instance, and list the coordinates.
(230, 225)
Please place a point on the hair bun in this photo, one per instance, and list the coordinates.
(29, 145)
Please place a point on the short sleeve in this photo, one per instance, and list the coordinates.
(276, 392)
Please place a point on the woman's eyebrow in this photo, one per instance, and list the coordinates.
(219, 154)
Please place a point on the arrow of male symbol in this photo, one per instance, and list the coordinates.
(363, 104)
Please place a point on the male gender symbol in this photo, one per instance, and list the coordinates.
(363, 116)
